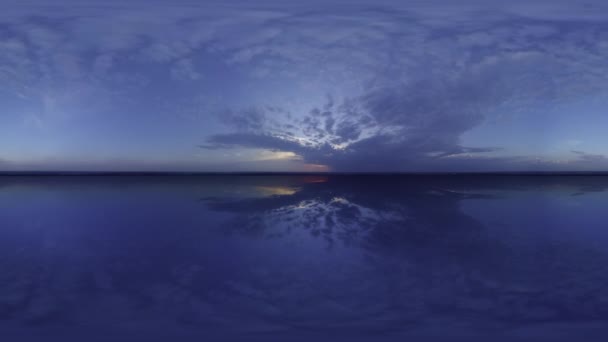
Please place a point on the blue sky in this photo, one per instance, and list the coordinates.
(304, 86)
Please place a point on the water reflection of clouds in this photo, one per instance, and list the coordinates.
(417, 236)
(398, 254)
(380, 217)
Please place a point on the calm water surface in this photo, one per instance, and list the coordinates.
(300, 258)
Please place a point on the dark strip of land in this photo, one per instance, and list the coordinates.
(162, 173)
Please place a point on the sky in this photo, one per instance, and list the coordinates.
(333, 85)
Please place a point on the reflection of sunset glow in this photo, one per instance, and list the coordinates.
(315, 179)
(276, 190)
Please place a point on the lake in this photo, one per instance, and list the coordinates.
(297, 258)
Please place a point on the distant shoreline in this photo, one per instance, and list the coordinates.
(412, 174)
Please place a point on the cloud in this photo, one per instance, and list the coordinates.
(414, 108)
(593, 159)
(184, 70)
(281, 38)
(250, 119)
(276, 37)
(263, 141)
(396, 127)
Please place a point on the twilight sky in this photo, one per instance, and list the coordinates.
(478, 85)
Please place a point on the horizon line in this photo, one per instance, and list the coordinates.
(303, 173)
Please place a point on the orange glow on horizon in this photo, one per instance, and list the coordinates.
(315, 179)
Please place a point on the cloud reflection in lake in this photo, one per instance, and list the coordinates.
(347, 257)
